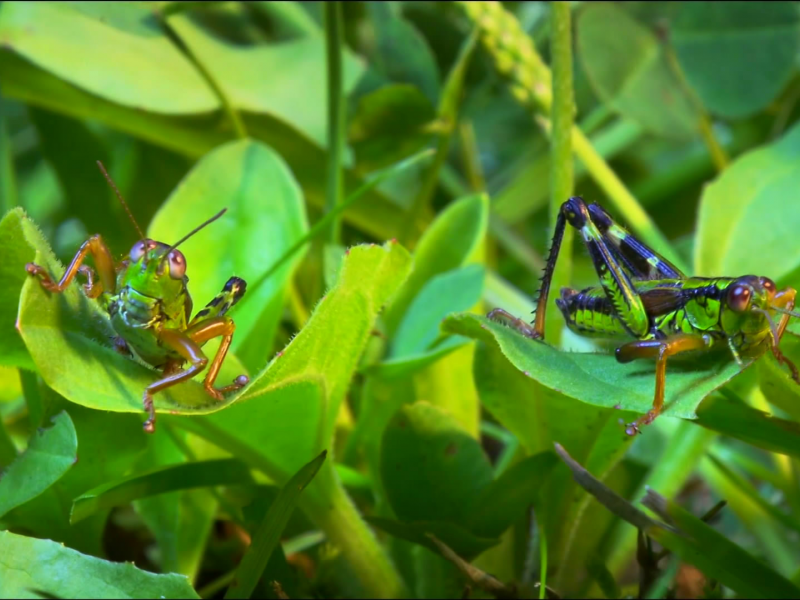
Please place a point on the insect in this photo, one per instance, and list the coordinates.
(645, 297)
(149, 305)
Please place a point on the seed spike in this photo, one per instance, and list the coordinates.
(191, 233)
(121, 199)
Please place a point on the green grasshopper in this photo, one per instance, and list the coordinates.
(645, 297)
(149, 306)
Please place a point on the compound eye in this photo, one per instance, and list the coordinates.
(769, 285)
(739, 298)
(139, 248)
(177, 264)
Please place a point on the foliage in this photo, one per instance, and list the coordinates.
(386, 169)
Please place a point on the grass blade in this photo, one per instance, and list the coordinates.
(269, 531)
(207, 473)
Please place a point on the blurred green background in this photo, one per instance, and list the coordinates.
(389, 167)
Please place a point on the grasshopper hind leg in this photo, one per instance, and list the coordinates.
(503, 316)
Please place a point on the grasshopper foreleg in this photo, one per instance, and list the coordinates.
(103, 261)
(187, 345)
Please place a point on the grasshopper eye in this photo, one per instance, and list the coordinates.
(177, 264)
(138, 249)
(769, 285)
(739, 298)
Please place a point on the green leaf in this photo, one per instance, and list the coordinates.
(306, 382)
(401, 54)
(740, 229)
(733, 417)
(738, 56)
(451, 241)
(50, 453)
(390, 124)
(432, 469)
(253, 234)
(206, 473)
(598, 379)
(69, 338)
(22, 80)
(16, 253)
(453, 291)
(108, 445)
(29, 564)
(64, 40)
(462, 541)
(293, 92)
(507, 498)
(629, 71)
(73, 151)
(269, 531)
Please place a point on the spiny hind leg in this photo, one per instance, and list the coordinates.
(205, 330)
(661, 350)
(500, 315)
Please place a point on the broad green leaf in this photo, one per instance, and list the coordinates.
(630, 71)
(744, 224)
(64, 38)
(207, 473)
(394, 368)
(401, 54)
(70, 337)
(431, 468)
(108, 446)
(378, 216)
(539, 416)
(452, 240)
(51, 453)
(454, 291)
(29, 566)
(598, 379)
(461, 540)
(180, 521)
(293, 91)
(266, 216)
(737, 419)
(16, 252)
(269, 531)
(506, 499)
(306, 382)
(390, 124)
(736, 56)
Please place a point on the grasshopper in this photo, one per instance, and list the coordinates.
(149, 306)
(645, 297)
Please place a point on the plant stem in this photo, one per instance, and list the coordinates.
(8, 181)
(227, 106)
(334, 38)
(562, 177)
(334, 513)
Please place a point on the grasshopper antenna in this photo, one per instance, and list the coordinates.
(191, 233)
(121, 199)
(785, 311)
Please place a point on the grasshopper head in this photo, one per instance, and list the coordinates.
(757, 300)
(156, 269)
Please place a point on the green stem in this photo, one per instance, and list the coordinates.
(8, 181)
(562, 176)
(334, 513)
(334, 38)
(227, 107)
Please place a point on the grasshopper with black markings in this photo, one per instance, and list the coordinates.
(645, 297)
